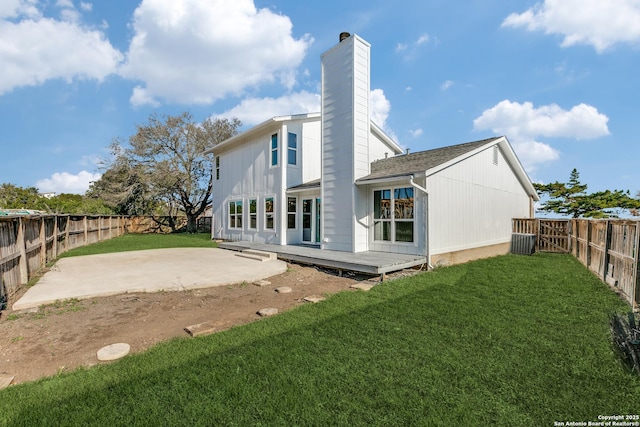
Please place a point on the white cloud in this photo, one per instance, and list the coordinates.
(209, 49)
(64, 3)
(523, 124)
(15, 8)
(70, 15)
(142, 97)
(598, 23)
(380, 107)
(416, 132)
(410, 51)
(422, 39)
(64, 182)
(87, 7)
(447, 84)
(35, 49)
(253, 111)
(400, 47)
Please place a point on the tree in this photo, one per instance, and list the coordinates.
(167, 164)
(572, 199)
(14, 197)
(122, 188)
(76, 204)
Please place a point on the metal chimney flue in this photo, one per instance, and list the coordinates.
(344, 35)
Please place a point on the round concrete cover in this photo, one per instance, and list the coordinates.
(113, 351)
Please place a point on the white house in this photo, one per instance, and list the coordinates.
(335, 180)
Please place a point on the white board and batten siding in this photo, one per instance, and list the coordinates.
(309, 152)
(345, 142)
(471, 203)
(246, 173)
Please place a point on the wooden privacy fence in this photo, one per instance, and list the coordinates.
(28, 243)
(609, 248)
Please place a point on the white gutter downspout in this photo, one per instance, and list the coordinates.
(424, 190)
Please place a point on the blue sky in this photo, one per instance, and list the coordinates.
(559, 78)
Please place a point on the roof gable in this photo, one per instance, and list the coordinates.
(432, 161)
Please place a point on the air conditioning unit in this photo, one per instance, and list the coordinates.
(523, 244)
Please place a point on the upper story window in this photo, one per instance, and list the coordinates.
(217, 168)
(393, 216)
(274, 149)
(292, 149)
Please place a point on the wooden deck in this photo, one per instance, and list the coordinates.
(362, 262)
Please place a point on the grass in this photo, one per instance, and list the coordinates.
(137, 242)
(507, 341)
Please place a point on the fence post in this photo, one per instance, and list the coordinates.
(86, 230)
(605, 255)
(20, 241)
(43, 243)
(569, 236)
(636, 276)
(588, 257)
(56, 230)
(66, 234)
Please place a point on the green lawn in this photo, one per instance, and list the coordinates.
(508, 341)
(137, 242)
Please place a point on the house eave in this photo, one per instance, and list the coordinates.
(259, 128)
(386, 179)
(375, 129)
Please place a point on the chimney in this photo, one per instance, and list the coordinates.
(407, 151)
(344, 35)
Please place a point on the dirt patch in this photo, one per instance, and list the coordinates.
(67, 335)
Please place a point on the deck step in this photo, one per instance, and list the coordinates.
(257, 255)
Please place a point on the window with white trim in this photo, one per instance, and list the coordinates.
(217, 168)
(382, 215)
(292, 212)
(235, 214)
(253, 214)
(274, 149)
(403, 214)
(393, 215)
(269, 214)
(292, 149)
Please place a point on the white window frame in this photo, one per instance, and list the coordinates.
(274, 150)
(272, 214)
(293, 214)
(234, 215)
(291, 149)
(217, 168)
(253, 215)
(389, 216)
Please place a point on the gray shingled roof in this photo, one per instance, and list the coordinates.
(307, 185)
(414, 163)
